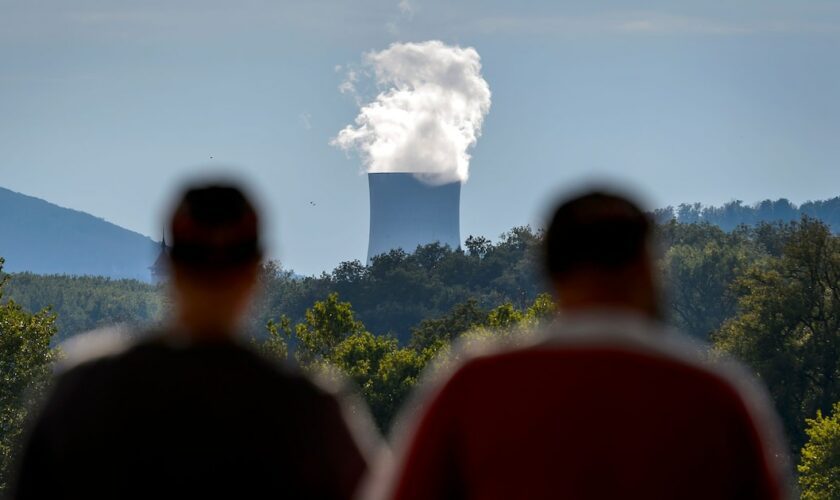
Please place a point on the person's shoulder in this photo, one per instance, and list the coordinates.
(111, 348)
(319, 387)
(656, 344)
(90, 360)
(666, 349)
(648, 343)
(105, 359)
(323, 396)
(290, 374)
(84, 350)
(119, 347)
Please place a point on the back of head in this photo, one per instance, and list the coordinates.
(215, 259)
(214, 228)
(594, 242)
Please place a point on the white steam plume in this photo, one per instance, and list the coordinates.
(427, 115)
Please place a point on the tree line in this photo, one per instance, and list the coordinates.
(735, 213)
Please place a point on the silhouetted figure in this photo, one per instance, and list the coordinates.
(605, 403)
(190, 412)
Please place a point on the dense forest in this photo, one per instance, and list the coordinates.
(84, 303)
(766, 294)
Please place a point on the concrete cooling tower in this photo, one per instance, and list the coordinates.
(405, 212)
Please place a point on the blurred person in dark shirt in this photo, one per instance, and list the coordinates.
(189, 410)
(604, 402)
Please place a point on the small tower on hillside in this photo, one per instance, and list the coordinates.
(160, 269)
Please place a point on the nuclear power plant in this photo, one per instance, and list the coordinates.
(406, 212)
(420, 129)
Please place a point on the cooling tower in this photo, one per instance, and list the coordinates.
(405, 212)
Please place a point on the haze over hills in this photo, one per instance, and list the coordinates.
(44, 238)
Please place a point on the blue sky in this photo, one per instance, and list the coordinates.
(105, 106)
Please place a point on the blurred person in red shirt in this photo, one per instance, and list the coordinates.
(604, 402)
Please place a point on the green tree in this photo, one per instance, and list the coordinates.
(327, 323)
(331, 341)
(25, 360)
(478, 246)
(819, 468)
(699, 278)
(359, 356)
(788, 325)
(399, 371)
(275, 345)
(504, 316)
(384, 372)
(445, 329)
(543, 308)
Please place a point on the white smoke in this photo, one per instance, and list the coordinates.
(427, 115)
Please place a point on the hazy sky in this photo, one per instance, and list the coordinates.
(106, 105)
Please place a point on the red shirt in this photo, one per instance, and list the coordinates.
(604, 409)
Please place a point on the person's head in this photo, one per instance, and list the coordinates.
(598, 254)
(214, 258)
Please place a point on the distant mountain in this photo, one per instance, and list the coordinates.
(43, 238)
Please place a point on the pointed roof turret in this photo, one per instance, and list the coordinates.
(160, 269)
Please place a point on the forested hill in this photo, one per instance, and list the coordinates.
(43, 238)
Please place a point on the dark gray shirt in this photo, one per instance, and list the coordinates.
(206, 419)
